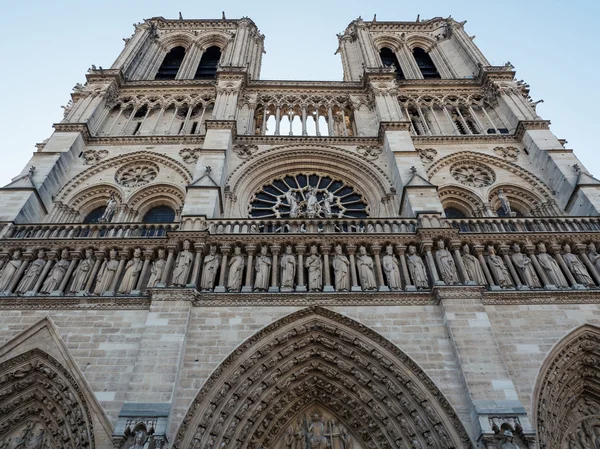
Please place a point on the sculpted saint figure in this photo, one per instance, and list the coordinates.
(111, 206)
(505, 203)
(391, 269)
(299, 435)
(37, 441)
(236, 268)
(594, 256)
(181, 273)
(316, 430)
(32, 273)
(418, 273)
(446, 264)
(551, 268)
(347, 441)
(262, 268)
(157, 269)
(140, 441)
(132, 272)
(290, 196)
(341, 266)
(498, 269)
(576, 267)
(10, 269)
(327, 202)
(312, 203)
(57, 274)
(315, 270)
(209, 271)
(526, 270)
(107, 272)
(473, 267)
(288, 269)
(83, 271)
(507, 441)
(364, 265)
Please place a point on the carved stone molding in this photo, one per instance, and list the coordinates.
(92, 157)
(473, 174)
(244, 151)
(527, 125)
(136, 174)
(190, 155)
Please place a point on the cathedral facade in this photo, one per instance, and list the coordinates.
(201, 259)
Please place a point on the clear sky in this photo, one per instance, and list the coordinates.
(47, 47)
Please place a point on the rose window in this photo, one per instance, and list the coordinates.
(473, 175)
(309, 196)
(135, 175)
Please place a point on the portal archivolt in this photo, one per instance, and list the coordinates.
(324, 376)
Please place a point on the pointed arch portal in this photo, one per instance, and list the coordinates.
(316, 378)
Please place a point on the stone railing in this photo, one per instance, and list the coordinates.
(522, 224)
(90, 231)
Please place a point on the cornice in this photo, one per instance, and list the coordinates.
(307, 140)
(514, 297)
(221, 124)
(530, 125)
(146, 140)
(278, 84)
(81, 128)
(74, 303)
(447, 140)
(392, 126)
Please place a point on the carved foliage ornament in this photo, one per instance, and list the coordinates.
(473, 174)
(190, 155)
(245, 151)
(93, 156)
(136, 174)
(369, 152)
(427, 155)
(508, 153)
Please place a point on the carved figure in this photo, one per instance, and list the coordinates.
(33, 272)
(498, 269)
(341, 266)
(505, 203)
(391, 269)
(507, 441)
(312, 204)
(9, 271)
(299, 435)
(525, 268)
(262, 268)
(364, 265)
(111, 207)
(418, 273)
(37, 441)
(132, 272)
(347, 441)
(83, 271)
(209, 271)
(181, 273)
(473, 267)
(315, 270)
(139, 441)
(551, 268)
(107, 272)
(57, 274)
(236, 269)
(288, 269)
(327, 202)
(576, 267)
(290, 196)
(316, 431)
(446, 264)
(157, 269)
(594, 256)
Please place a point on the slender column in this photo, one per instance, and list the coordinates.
(263, 128)
(490, 119)
(225, 250)
(437, 122)
(529, 249)
(402, 256)
(108, 133)
(98, 262)
(563, 265)
(274, 269)
(187, 118)
(63, 285)
(355, 287)
(486, 271)
(28, 257)
(479, 124)
(464, 122)
(379, 272)
(425, 125)
(250, 249)
(100, 121)
(304, 132)
(3, 258)
(133, 112)
(433, 273)
(124, 255)
(199, 247)
(330, 121)
(580, 249)
(291, 116)
(49, 262)
(250, 125)
(449, 117)
(277, 119)
(325, 249)
(168, 130)
(317, 121)
(147, 259)
(158, 118)
(345, 130)
(503, 250)
(300, 285)
(168, 266)
(459, 262)
(139, 131)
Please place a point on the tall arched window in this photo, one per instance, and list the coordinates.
(94, 215)
(426, 65)
(160, 214)
(452, 212)
(208, 63)
(170, 65)
(389, 59)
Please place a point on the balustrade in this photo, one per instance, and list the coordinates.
(89, 231)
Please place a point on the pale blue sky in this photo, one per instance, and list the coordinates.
(47, 47)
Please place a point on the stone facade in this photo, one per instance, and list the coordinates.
(197, 258)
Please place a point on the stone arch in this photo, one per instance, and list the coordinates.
(265, 166)
(566, 400)
(390, 42)
(220, 39)
(93, 197)
(521, 199)
(156, 195)
(419, 40)
(318, 358)
(462, 199)
(179, 39)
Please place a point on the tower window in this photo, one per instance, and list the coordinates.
(426, 65)
(207, 68)
(94, 215)
(170, 65)
(389, 59)
(160, 214)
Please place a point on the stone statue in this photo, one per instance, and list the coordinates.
(290, 196)
(364, 265)
(181, 273)
(57, 274)
(594, 256)
(316, 433)
(315, 270)
(341, 267)
(132, 272)
(446, 264)
(327, 202)
(107, 272)
(299, 435)
(236, 270)
(550, 266)
(507, 441)
(10, 270)
(289, 437)
(209, 271)
(347, 441)
(83, 271)
(36, 441)
(111, 207)
(525, 268)
(140, 441)
(418, 273)
(505, 203)
(498, 269)
(288, 269)
(33, 272)
(312, 204)
(577, 268)
(262, 268)
(391, 269)
(157, 269)
(473, 267)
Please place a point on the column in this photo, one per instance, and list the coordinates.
(124, 255)
(225, 250)
(63, 285)
(464, 122)
(168, 130)
(97, 263)
(344, 129)
(378, 270)
(558, 256)
(503, 250)
(300, 285)
(199, 247)
(351, 251)
(449, 117)
(158, 118)
(580, 249)
(250, 249)
(168, 266)
(490, 119)
(317, 121)
(27, 258)
(133, 112)
(291, 117)
(327, 287)
(455, 248)
(148, 110)
(530, 250)
(187, 118)
(250, 124)
(38, 284)
(408, 286)
(304, 132)
(330, 121)
(263, 130)
(274, 269)
(147, 259)
(433, 273)
(486, 271)
(3, 258)
(277, 120)
(108, 133)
